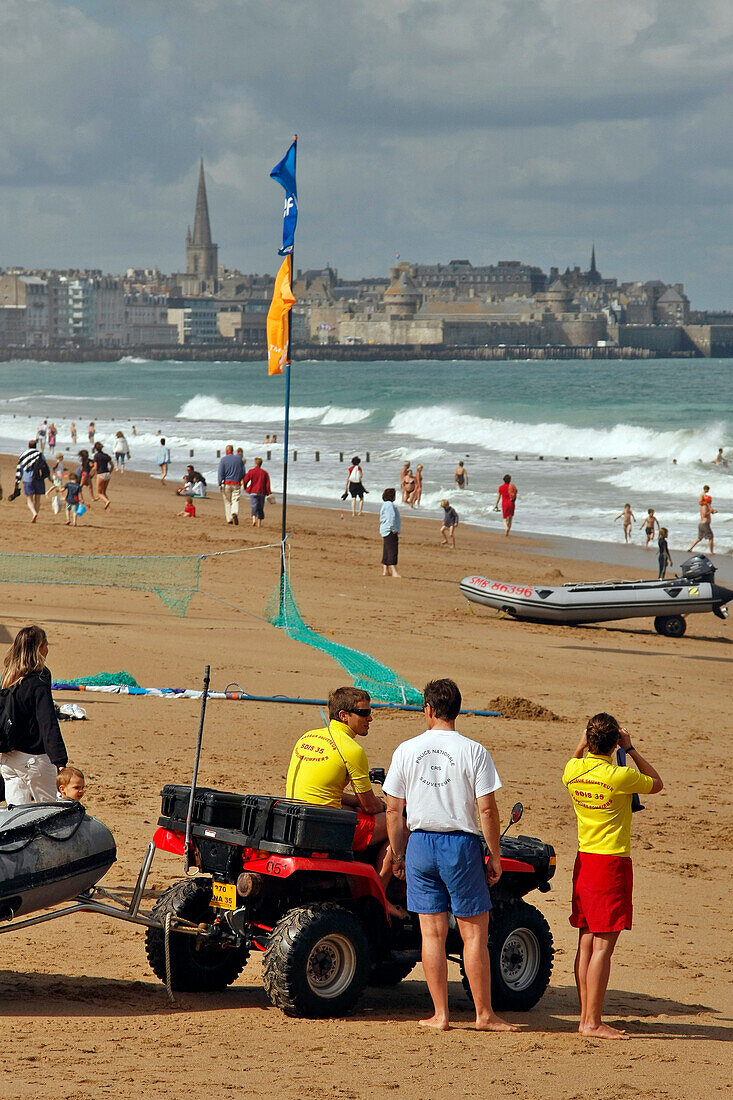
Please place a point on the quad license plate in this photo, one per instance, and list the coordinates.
(224, 895)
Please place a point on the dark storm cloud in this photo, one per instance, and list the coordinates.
(517, 128)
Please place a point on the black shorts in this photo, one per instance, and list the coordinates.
(356, 489)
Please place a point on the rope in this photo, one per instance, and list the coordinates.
(241, 550)
(167, 945)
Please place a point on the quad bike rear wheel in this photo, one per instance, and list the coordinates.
(521, 954)
(197, 966)
(317, 961)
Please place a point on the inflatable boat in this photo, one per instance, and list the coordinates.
(49, 853)
(669, 601)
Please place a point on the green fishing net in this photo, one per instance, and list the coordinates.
(382, 682)
(174, 579)
(105, 679)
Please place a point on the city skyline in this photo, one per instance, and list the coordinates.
(527, 131)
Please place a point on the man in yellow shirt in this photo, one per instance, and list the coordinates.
(326, 761)
(602, 878)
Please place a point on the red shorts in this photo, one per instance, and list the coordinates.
(507, 510)
(602, 892)
(364, 831)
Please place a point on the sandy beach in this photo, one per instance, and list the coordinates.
(84, 1015)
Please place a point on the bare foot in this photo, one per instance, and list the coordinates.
(106, 506)
(495, 1023)
(35, 517)
(437, 1022)
(602, 1031)
(399, 575)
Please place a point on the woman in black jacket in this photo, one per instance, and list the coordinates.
(38, 751)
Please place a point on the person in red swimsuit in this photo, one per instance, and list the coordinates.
(507, 494)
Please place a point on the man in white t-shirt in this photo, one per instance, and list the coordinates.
(441, 775)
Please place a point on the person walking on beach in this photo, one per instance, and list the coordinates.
(163, 459)
(440, 776)
(460, 476)
(704, 527)
(355, 485)
(507, 494)
(52, 436)
(648, 525)
(84, 472)
(450, 522)
(602, 878)
(30, 767)
(41, 436)
(73, 494)
(229, 478)
(390, 525)
(257, 484)
(73, 432)
(664, 555)
(102, 467)
(91, 433)
(627, 516)
(121, 451)
(417, 491)
(32, 471)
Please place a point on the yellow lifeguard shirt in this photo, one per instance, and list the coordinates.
(601, 794)
(323, 762)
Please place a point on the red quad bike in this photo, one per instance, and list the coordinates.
(279, 876)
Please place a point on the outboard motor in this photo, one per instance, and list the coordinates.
(699, 569)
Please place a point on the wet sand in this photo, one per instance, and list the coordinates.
(85, 1017)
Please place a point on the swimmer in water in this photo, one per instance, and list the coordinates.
(460, 476)
(627, 515)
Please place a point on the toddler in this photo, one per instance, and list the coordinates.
(70, 783)
(72, 491)
(189, 509)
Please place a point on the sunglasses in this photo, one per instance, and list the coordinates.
(363, 712)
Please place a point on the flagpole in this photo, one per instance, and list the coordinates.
(286, 432)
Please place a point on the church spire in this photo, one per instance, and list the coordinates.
(593, 268)
(201, 253)
(201, 226)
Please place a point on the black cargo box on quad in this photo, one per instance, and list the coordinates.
(279, 825)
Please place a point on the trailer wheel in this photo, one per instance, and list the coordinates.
(196, 965)
(672, 626)
(521, 953)
(317, 962)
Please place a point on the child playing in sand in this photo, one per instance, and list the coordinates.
(70, 783)
(72, 492)
(189, 510)
(450, 522)
(627, 516)
(648, 525)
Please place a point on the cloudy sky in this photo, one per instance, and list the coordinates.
(439, 129)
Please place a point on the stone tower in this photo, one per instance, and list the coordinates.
(202, 257)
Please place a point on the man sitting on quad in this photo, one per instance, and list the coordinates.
(325, 761)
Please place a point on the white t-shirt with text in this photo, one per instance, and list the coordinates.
(440, 774)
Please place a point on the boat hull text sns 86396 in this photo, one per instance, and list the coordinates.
(667, 601)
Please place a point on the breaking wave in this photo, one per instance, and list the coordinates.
(205, 407)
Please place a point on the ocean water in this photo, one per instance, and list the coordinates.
(578, 438)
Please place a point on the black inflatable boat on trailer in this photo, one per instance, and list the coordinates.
(669, 601)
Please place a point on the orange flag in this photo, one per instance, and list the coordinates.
(277, 319)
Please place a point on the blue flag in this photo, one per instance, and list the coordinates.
(284, 173)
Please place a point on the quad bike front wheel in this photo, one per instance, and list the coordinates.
(317, 961)
(521, 953)
(197, 966)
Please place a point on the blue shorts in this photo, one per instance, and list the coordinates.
(446, 871)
